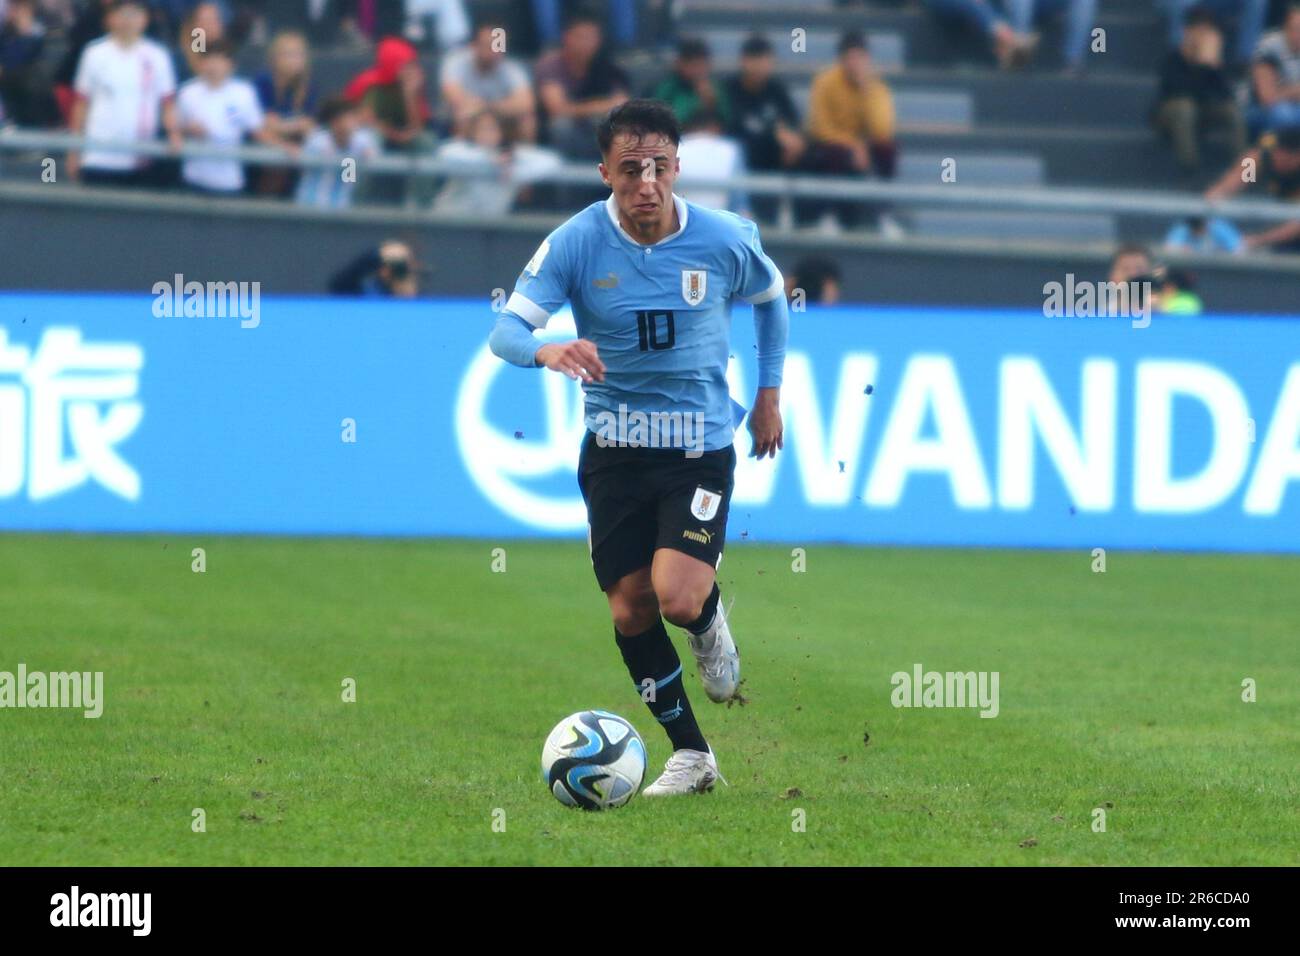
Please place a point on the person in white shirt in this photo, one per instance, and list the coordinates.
(219, 109)
(340, 136)
(125, 85)
(711, 156)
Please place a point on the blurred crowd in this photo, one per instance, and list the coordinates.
(516, 94)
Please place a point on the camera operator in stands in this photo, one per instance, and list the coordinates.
(387, 272)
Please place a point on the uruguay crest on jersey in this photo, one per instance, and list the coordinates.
(694, 282)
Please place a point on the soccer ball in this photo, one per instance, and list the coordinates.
(593, 759)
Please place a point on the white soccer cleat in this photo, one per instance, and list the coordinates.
(687, 771)
(717, 659)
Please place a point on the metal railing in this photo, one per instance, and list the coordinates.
(786, 188)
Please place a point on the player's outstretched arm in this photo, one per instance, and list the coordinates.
(512, 339)
(771, 329)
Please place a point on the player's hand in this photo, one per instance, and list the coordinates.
(765, 424)
(576, 359)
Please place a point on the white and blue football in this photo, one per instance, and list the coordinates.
(593, 759)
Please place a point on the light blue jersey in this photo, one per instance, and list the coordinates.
(659, 315)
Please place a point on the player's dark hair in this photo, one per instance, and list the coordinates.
(756, 44)
(638, 118)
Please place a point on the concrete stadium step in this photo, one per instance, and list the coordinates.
(935, 99)
(1076, 157)
(1118, 100)
(981, 169)
(1135, 34)
(1011, 226)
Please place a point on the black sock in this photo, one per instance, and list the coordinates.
(652, 657)
(706, 615)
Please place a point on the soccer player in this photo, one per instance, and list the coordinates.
(651, 280)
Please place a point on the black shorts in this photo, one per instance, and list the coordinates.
(642, 499)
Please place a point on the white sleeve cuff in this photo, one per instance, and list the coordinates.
(771, 292)
(528, 310)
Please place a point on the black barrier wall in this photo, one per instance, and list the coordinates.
(96, 242)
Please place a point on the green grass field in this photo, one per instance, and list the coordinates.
(224, 692)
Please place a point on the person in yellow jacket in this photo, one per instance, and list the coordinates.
(851, 115)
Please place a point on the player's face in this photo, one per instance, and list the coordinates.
(641, 171)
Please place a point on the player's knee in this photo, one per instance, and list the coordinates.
(681, 607)
(634, 612)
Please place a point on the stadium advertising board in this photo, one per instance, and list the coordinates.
(903, 426)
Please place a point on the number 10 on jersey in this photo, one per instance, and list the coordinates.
(655, 330)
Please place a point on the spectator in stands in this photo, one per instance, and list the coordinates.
(285, 88)
(1275, 77)
(1130, 263)
(689, 89)
(91, 24)
(389, 271)
(814, 281)
(1079, 16)
(1204, 236)
(481, 77)
(1011, 47)
(706, 154)
(851, 132)
(494, 168)
(287, 96)
(1244, 17)
(578, 84)
(622, 21)
(204, 26)
(219, 109)
(1275, 162)
(124, 86)
(763, 116)
(851, 115)
(26, 94)
(1196, 93)
(391, 94)
(340, 136)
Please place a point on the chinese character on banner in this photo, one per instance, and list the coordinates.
(76, 401)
